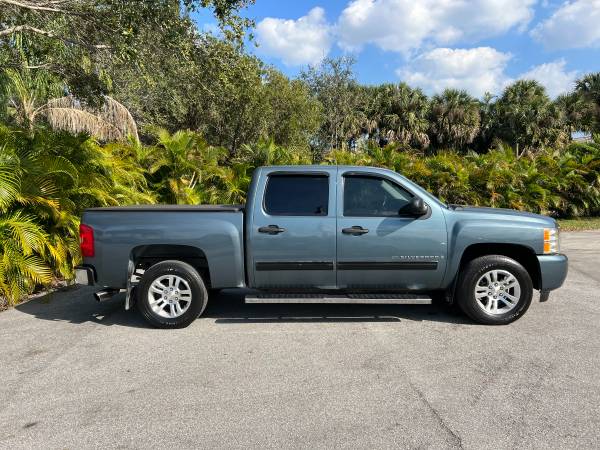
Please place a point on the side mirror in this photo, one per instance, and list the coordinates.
(416, 207)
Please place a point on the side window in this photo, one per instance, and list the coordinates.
(297, 195)
(366, 196)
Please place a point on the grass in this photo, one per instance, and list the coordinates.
(581, 224)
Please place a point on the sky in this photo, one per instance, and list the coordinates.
(479, 45)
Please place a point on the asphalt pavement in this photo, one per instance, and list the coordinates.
(78, 374)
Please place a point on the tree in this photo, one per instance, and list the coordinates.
(32, 97)
(46, 180)
(332, 83)
(94, 25)
(402, 115)
(588, 88)
(293, 116)
(174, 166)
(488, 122)
(73, 38)
(527, 119)
(455, 119)
(232, 109)
(575, 112)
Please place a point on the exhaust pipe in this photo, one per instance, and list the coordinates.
(106, 294)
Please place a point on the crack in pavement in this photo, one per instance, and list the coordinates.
(454, 436)
(436, 414)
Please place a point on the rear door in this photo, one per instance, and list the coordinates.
(292, 236)
(379, 247)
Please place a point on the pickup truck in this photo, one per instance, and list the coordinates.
(312, 234)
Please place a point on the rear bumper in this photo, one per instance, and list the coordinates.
(553, 270)
(85, 275)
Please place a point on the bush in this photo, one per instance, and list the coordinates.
(46, 180)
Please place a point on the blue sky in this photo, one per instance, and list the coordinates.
(477, 45)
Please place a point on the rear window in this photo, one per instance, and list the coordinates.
(297, 195)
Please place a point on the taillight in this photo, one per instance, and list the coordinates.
(86, 241)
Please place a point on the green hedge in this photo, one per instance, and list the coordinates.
(562, 183)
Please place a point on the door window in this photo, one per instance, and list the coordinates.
(368, 196)
(297, 195)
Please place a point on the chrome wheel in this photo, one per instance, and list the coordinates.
(497, 292)
(169, 296)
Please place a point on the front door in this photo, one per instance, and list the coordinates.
(380, 248)
(293, 231)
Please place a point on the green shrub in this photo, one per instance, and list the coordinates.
(46, 180)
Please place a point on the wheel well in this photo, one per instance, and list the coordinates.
(146, 256)
(520, 253)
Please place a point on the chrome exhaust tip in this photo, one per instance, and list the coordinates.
(106, 294)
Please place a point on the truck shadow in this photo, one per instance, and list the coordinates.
(77, 306)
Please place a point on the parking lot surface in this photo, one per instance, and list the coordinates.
(78, 374)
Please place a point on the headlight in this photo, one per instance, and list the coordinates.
(551, 244)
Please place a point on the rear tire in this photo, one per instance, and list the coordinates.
(494, 290)
(171, 294)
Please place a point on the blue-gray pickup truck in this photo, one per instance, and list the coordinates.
(331, 234)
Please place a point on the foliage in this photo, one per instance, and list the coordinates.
(455, 119)
(527, 119)
(332, 83)
(35, 96)
(46, 180)
(588, 88)
(401, 115)
(75, 39)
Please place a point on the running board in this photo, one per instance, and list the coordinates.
(369, 299)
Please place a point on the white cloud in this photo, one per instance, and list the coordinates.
(553, 76)
(405, 25)
(575, 24)
(477, 70)
(306, 40)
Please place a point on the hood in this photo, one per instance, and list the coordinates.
(504, 214)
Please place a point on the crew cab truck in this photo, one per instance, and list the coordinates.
(311, 234)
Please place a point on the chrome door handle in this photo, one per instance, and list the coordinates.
(355, 230)
(271, 229)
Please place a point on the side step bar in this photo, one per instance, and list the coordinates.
(368, 299)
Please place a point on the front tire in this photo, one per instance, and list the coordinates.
(494, 290)
(171, 294)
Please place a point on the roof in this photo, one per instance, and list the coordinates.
(324, 167)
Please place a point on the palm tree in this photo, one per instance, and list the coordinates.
(454, 119)
(28, 201)
(575, 113)
(589, 88)
(46, 179)
(527, 119)
(34, 95)
(23, 245)
(230, 184)
(173, 164)
(344, 157)
(267, 153)
(403, 115)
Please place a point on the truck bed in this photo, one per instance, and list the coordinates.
(128, 233)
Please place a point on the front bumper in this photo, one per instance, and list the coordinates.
(553, 271)
(85, 275)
